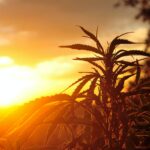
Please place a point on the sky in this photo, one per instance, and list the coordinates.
(31, 63)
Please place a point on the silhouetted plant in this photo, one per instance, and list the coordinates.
(140, 109)
(100, 113)
(143, 13)
(105, 98)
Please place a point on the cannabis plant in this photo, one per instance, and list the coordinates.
(106, 98)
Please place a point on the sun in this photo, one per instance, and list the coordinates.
(15, 82)
(20, 84)
(12, 89)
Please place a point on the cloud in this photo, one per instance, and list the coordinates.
(5, 61)
(22, 83)
(55, 68)
(9, 34)
(13, 31)
(39, 26)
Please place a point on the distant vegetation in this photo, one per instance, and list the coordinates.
(104, 112)
(143, 13)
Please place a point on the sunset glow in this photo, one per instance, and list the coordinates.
(31, 63)
(22, 83)
(74, 74)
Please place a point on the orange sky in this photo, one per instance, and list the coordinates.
(31, 63)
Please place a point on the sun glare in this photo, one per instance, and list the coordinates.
(20, 84)
(15, 82)
(12, 89)
(5, 60)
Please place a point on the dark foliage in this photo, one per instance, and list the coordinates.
(143, 8)
(100, 114)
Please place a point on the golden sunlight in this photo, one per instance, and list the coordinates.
(14, 83)
(5, 60)
(20, 84)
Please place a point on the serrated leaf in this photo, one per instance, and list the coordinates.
(92, 36)
(119, 70)
(120, 85)
(90, 59)
(77, 81)
(97, 65)
(92, 86)
(123, 34)
(117, 42)
(81, 47)
(128, 70)
(127, 63)
(133, 63)
(86, 72)
(83, 94)
(118, 52)
(132, 52)
(81, 85)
